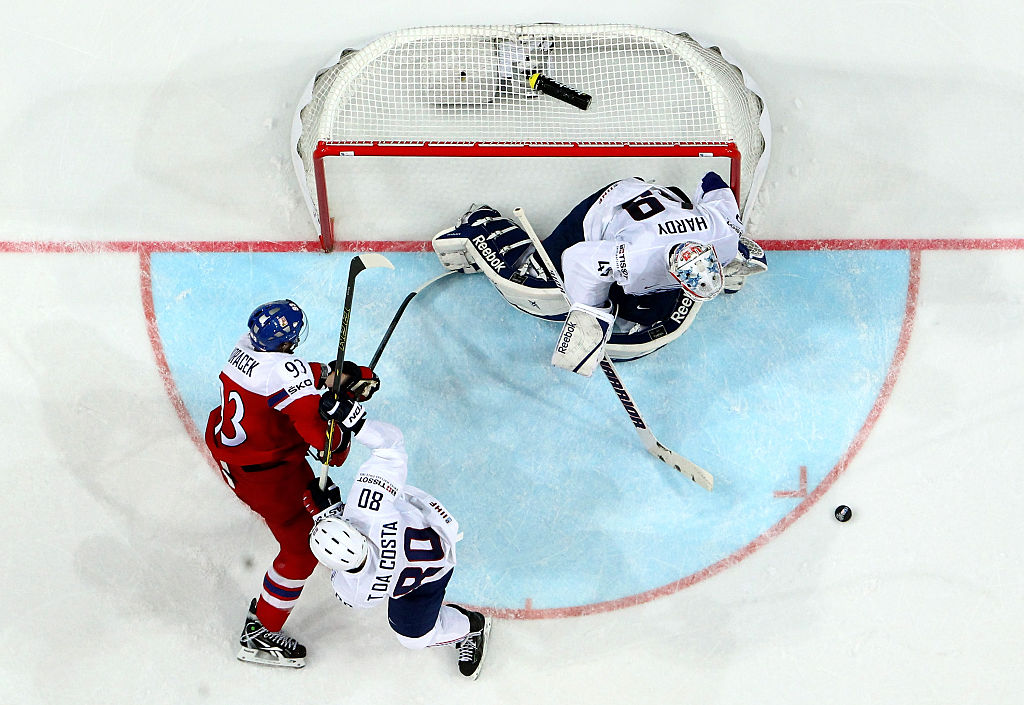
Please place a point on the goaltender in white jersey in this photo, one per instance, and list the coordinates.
(393, 543)
(637, 260)
(634, 226)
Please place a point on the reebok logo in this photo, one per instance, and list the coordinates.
(563, 345)
(492, 258)
(680, 314)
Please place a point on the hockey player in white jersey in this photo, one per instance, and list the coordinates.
(637, 260)
(393, 543)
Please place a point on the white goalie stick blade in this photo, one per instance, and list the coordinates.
(687, 467)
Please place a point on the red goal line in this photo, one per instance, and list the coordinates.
(268, 246)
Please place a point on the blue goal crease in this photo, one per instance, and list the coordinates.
(542, 468)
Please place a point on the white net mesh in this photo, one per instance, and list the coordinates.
(470, 84)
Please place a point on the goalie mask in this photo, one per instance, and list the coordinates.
(277, 325)
(696, 267)
(337, 544)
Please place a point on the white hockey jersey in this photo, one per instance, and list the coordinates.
(411, 535)
(629, 231)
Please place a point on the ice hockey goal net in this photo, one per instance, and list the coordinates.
(395, 140)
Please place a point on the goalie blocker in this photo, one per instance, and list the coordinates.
(485, 241)
(581, 345)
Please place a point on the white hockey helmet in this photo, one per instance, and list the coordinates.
(337, 544)
(696, 267)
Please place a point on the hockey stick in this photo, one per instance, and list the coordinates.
(687, 467)
(398, 315)
(357, 265)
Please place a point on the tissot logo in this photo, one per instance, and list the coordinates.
(620, 260)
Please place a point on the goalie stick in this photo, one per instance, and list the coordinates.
(357, 265)
(398, 315)
(687, 467)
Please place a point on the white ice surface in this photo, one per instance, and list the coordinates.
(139, 122)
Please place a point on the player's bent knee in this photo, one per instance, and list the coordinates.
(631, 342)
(418, 642)
(543, 302)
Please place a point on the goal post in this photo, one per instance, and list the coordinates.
(394, 141)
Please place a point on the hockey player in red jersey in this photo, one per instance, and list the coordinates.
(259, 435)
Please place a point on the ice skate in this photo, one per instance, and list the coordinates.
(473, 647)
(266, 647)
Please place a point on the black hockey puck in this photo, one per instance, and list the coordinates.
(843, 513)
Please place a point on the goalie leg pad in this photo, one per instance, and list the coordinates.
(453, 250)
(545, 302)
(482, 238)
(485, 241)
(584, 334)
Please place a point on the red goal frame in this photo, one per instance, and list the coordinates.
(597, 150)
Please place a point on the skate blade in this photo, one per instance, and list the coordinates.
(483, 652)
(269, 658)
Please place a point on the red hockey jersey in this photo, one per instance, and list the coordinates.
(268, 408)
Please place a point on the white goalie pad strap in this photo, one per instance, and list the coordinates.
(581, 344)
(454, 253)
(548, 303)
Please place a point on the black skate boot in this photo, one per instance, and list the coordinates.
(266, 647)
(473, 647)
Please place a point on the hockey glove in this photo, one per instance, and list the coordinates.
(360, 382)
(317, 500)
(347, 413)
(750, 259)
(326, 370)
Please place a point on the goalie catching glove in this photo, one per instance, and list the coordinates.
(584, 334)
(750, 259)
